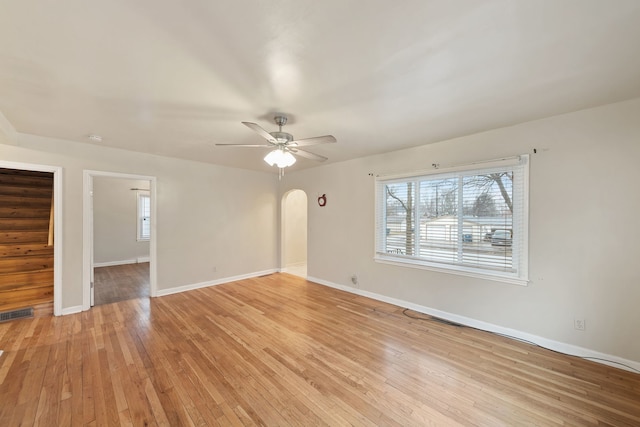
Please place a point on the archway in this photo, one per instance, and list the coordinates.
(294, 233)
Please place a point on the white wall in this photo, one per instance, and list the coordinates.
(115, 228)
(583, 240)
(206, 215)
(294, 228)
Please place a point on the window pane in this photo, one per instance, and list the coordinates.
(144, 217)
(438, 223)
(488, 220)
(400, 202)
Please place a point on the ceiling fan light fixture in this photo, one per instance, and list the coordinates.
(280, 158)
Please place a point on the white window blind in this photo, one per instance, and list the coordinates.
(470, 220)
(144, 216)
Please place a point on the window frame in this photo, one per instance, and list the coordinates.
(142, 194)
(520, 258)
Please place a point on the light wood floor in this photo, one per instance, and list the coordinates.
(121, 282)
(278, 350)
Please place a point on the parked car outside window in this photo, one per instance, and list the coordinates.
(501, 238)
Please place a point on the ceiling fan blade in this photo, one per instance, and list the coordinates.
(312, 141)
(246, 145)
(263, 133)
(308, 155)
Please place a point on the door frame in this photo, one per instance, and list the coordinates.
(87, 231)
(57, 224)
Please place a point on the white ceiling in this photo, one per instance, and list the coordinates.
(174, 78)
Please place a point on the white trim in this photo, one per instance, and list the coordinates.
(185, 288)
(57, 224)
(72, 310)
(112, 263)
(122, 262)
(87, 242)
(572, 350)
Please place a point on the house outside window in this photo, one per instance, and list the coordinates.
(144, 216)
(470, 220)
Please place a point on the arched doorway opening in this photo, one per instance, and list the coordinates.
(294, 233)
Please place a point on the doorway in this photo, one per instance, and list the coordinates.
(119, 234)
(55, 219)
(294, 233)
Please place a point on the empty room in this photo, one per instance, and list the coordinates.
(319, 213)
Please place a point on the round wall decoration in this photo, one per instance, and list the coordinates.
(322, 200)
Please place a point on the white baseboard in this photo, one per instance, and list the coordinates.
(122, 262)
(164, 292)
(112, 263)
(71, 310)
(596, 356)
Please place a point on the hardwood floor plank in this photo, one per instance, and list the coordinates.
(121, 282)
(279, 350)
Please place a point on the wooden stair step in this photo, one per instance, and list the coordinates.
(19, 287)
(16, 212)
(25, 202)
(25, 249)
(25, 224)
(25, 298)
(25, 263)
(9, 237)
(26, 181)
(26, 191)
(26, 278)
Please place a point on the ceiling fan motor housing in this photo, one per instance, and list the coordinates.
(282, 137)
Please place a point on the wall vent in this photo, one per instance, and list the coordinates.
(16, 314)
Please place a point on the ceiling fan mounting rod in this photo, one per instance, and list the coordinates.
(280, 121)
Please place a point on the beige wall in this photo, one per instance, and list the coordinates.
(206, 215)
(115, 227)
(583, 243)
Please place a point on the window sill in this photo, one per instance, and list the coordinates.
(458, 270)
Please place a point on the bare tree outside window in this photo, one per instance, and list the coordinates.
(485, 183)
(406, 205)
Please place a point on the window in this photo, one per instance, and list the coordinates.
(467, 220)
(144, 215)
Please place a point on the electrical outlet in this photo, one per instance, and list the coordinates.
(579, 324)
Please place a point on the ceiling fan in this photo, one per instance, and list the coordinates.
(283, 145)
